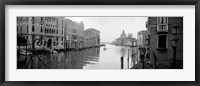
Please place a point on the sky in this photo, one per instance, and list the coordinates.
(111, 27)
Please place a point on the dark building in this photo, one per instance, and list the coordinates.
(165, 42)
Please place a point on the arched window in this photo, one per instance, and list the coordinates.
(57, 21)
(21, 29)
(41, 29)
(47, 30)
(33, 28)
(33, 20)
(27, 28)
(62, 22)
(17, 18)
(44, 43)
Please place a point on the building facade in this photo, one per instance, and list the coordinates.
(142, 38)
(161, 33)
(43, 32)
(74, 34)
(92, 38)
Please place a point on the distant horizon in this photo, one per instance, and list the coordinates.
(111, 27)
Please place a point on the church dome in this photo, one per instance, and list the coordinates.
(123, 35)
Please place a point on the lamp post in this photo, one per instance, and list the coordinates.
(174, 40)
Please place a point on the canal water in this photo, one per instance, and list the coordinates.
(105, 57)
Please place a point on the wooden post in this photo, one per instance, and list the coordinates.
(128, 59)
(142, 56)
(122, 62)
(133, 60)
(26, 51)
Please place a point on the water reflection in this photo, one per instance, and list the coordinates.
(92, 58)
(65, 60)
(123, 51)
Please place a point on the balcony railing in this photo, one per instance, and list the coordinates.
(162, 28)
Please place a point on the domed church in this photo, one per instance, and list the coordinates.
(123, 35)
(123, 40)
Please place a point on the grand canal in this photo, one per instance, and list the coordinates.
(105, 57)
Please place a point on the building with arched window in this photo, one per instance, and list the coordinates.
(45, 32)
(92, 37)
(74, 34)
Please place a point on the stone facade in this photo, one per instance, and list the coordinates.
(160, 32)
(74, 34)
(142, 38)
(45, 32)
(55, 33)
(92, 37)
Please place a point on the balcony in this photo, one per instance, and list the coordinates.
(162, 28)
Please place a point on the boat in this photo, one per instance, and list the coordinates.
(23, 52)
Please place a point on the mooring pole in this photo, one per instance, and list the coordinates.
(26, 51)
(142, 56)
(133, 61)
(122, 62)
(128, 59)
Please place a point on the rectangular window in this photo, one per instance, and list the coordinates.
(162, 41)
(162, 20)
(162, 24)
